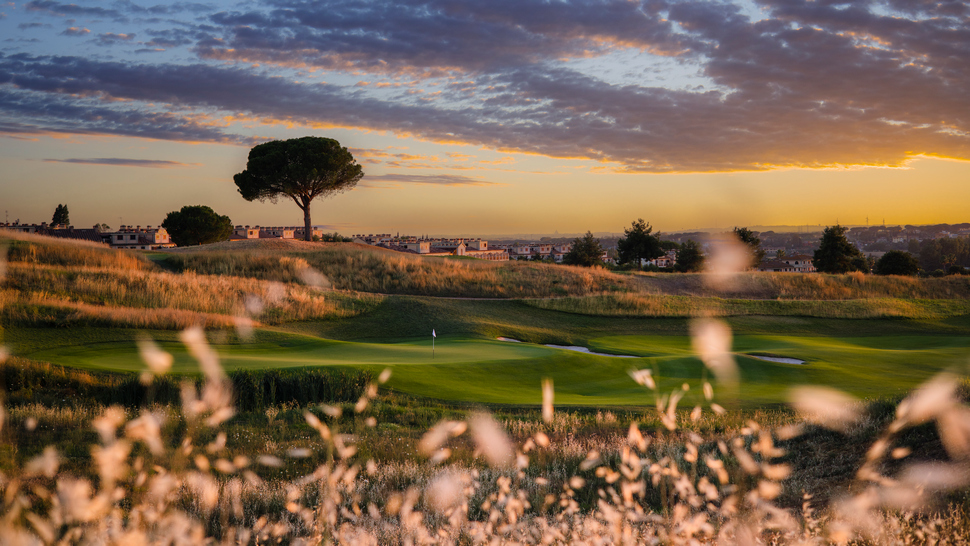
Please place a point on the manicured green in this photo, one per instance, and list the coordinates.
(496, 372)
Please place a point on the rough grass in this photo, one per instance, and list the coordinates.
(357, 267)
(37, 249)
(639, 305)
(798, 286)
(354, 267)
(46, 294)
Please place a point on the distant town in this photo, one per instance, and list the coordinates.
(783, 251)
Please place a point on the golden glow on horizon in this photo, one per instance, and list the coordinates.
(536, 194)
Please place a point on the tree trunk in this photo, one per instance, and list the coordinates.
(307, 227)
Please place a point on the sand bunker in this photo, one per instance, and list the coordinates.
(570, 348)
(779, 359)
(587, 351)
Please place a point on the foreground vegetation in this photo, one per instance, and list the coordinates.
(386, 469)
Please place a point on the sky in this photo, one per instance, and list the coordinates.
(497, 117)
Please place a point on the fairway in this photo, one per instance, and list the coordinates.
(495, 372)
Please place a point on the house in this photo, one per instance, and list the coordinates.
(666, 261)
(240, 233)
(493, 255)
(802, 263)
(23, 228)
(139, 238)
(60, 231)
(459, 246)
(277, 232)
(372, 239)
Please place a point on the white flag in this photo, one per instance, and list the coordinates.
(432, 333)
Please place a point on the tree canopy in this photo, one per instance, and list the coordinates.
(586, 251)
(836, 254)
(749, 238)
(301, 169)
(897, 262)
(638, 245)
(61, 216)
(944, 253)
(197, 225)
(690, 257)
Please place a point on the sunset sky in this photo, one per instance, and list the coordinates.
(492, 117)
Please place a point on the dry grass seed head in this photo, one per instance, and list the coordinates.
(827, 407)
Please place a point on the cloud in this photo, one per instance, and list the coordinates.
(25, 26)
(53, 7)
(75, 31)
(123, 162)
(809, 84)
(110, 38)
(30, 113)
(500, 161)
(174, 37)
(388, 36)
(374, 181)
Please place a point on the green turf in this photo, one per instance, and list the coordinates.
(869, 358)
(408, 317)
(494, 372)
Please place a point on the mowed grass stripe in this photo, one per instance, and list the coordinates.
(494, 372)
(304, 351)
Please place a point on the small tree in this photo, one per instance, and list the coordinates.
(897, 262)
(586, 252)
(61, 216)
(836, 254)
(301, 169)
(638, 245)
(749, 238)
(690, 257)
(197, 225)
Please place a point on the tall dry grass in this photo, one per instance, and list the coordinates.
(39, 309)
(811, 286)
(640, 305)
(353, 268)
(373, 270)
(36, 249)
(157, 299)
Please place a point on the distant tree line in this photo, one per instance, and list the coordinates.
(944, 255)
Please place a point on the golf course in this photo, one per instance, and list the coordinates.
(468, 363)
(85, 308)
(575, 367)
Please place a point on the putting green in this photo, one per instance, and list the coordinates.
(300, 351)
(488, 371)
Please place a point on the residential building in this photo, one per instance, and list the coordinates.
(801, 262)
(473, 248)
(668, 260)
(139, 238)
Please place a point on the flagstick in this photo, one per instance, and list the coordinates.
(432, 347)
